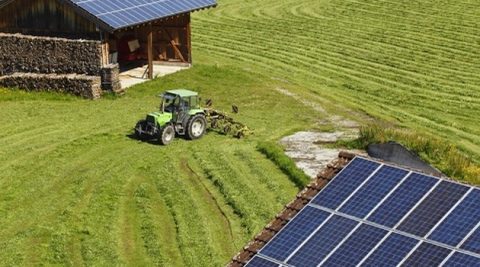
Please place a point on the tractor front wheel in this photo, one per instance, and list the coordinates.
(166, 135)
(196, 126)
(138, 130)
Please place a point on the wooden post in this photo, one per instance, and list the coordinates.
(150, 52)
(107, 48)
(189, 39)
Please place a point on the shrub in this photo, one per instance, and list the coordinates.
(276, 154)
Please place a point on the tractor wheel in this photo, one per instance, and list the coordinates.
(196, 126)
(140, 125)
(166, 135)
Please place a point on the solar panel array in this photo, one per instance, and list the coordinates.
(372, 214)
(120, 13)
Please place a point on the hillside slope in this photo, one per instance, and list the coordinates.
(412, 62)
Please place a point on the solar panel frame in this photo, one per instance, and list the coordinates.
(383, 255)
(456, 259)
(258, 261)
(472, 242)
(433, 208)
(357, 246)
(426, 254)
(277, 246)
(334, 230)
(362, 203)
(328, 196)
(456, 225)
(397, 207)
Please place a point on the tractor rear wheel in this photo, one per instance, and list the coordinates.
(166, 135)
(196, 126)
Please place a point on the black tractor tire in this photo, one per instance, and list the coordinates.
(166, 135)
(196, 127)
(139, 135)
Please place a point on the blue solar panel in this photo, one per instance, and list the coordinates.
(285, 242)
(345, 183)
(459, 259)
(119, 13)
(433, 208)
(261, 262)
(323, 231)
(391, 251)
(356, 247)
(460, 222)
(374, 190)
(427, 255)
(402, 200)
(473, 242)
(322, 243)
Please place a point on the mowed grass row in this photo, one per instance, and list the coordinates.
(411, 62)
(75, 189)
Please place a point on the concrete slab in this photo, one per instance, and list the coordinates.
(138, 75)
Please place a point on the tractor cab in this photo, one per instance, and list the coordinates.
(179, 100)
(179, 113)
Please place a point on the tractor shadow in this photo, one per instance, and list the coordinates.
(152, 141)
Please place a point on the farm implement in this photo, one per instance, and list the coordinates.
(180, 114)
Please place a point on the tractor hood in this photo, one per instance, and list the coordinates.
(159, 118)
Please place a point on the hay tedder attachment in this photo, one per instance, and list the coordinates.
(220, 122)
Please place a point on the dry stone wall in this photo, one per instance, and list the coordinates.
(111, 78)
(23, 53)
(79, 85)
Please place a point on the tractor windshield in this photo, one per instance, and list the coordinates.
(169, 102)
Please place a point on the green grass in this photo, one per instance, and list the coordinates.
(76, 190)
(414, 63)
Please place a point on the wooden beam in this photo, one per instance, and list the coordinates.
(107, 47)
(189, 40)
(174, 46)
(150, 52)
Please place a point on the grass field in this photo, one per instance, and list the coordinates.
(76, 190)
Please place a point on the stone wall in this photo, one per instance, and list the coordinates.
(80, 85)
(22, 53)
(111, 78)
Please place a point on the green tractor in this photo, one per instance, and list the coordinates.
(180, 114)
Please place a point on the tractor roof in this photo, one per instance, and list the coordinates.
(182, 92)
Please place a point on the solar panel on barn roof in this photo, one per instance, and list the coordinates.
(373, 214)
(120, 13)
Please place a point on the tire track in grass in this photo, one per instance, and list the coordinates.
(238, 189)
(192, 232)
(210, 198)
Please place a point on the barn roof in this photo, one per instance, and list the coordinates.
(113, 15)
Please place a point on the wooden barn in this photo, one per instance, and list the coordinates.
(128, 33)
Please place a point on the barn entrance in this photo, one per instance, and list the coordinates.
(151, 50)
